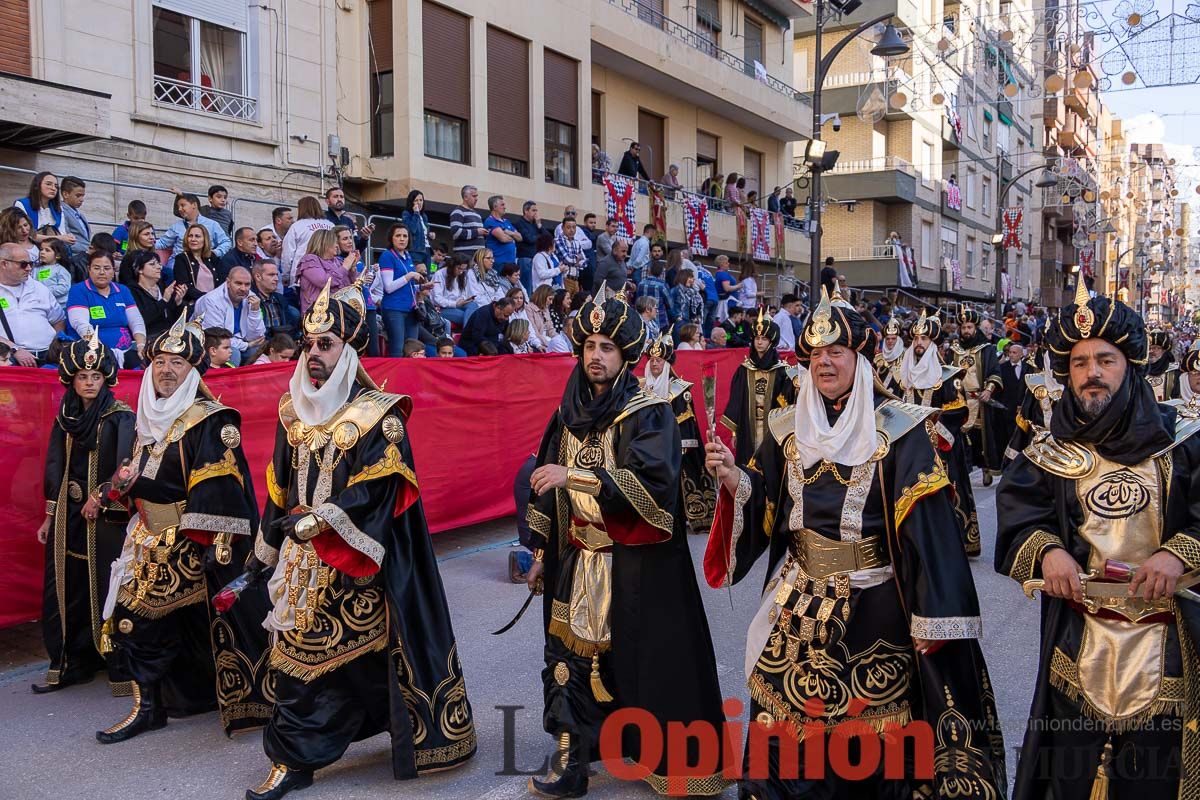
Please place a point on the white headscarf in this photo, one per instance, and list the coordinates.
(850, 441)
(660, 386)
(155, 414)
(923, 374)
(1185, 388)
(1052, 384)
(895, 352)
(315, 406)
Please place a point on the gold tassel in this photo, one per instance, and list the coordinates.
(1100, 783)
(598, 691)
(106, 642)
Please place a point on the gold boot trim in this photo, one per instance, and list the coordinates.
(137, 704)
(274, 778)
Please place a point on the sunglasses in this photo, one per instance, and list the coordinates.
(324, 345)
(21, 264)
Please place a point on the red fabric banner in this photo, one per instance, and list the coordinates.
(474, 422)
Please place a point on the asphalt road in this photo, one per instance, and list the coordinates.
(49, 750)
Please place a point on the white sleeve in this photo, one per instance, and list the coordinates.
(134, 319)
(80, 320)
(441, 298)
(256, 327)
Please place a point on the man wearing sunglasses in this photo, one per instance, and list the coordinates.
(29, 315)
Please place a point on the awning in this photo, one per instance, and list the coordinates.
(770, 14)
(1005, 119)
(36, 115)
(987, 115)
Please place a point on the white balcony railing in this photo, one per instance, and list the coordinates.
(205, 99)
(878, 164)
(873, 252)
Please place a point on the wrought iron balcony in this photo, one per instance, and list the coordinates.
(205, 99)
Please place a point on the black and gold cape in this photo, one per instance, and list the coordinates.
(757, 388)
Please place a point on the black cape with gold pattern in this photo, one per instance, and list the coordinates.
(769, 385)
(697, 490)
(381, 653)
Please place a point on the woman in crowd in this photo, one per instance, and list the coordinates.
(372, 285)
(494, 286)
(751, 198)
(516, 338)
(108, 307)
(686, 301)
(321, 264)
(83, 532)
(715, 186)
(747, 295)
(733, 196)
(141, 239)
(159, 307)
(43, 206)
(309, 220)
(456, 291)
(53, 254)
(560, 309)
(16, 229)
(548, 268)
(195, 267)
(689, 337)
(521, 311)
(279, 347)
(401, 285)
(538, 311)
(420, 235)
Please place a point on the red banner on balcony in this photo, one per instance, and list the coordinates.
(475, 421)
(760, 235)
(658, 211)
(1012, 227)
(695, 224)
(620, 202)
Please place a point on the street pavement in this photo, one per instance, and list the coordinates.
(50, 750)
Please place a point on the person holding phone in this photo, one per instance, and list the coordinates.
(456, 289)
(321, 264)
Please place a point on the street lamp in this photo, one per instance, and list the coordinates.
(1047, 180)
(890, 45)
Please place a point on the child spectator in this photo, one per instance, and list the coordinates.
(218, 346)
(445, 347)
(134, 212)
(413, 348)
(216, 210)
(279, 347)
(51, 270)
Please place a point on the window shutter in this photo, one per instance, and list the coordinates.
(447, 41)
(226, 13)
(561, 88)
(379, 23)
(508, 95)
(706, 145)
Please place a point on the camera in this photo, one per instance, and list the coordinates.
(837, 124)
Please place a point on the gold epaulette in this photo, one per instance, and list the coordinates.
(962, 351)
(950, 372)
(1034, 380)
(198, 412)
(362, 414)
(748, 364)
(117, 406)
(1187, 425)
(1064, 459)
(636, 403)
(782, 422)
(677, 387)
(894, 419)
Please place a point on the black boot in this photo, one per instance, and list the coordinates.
(280, 780)
(568, 772)
(147, 715)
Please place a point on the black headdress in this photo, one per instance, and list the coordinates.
(835, 322)
(341, 313)
(1097, 318)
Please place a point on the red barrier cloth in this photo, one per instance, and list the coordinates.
(474, 422)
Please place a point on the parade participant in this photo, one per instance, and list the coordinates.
(923, 380)
(1109, 491)
(1189, 387)
(976, 355)
(1163, 372)
(625, 625)
(195, 506)
(82, 531)
(1011, 394)
(362, 637)
(887, 360)
(760, 384)
(698, 493)
(866, 615)
(1042, 392)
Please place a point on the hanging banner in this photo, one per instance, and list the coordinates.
(780, 239)
(953, 196)
(658, 210)
(1087, 262)
(906, 266)
(760, 235)
(621, 205)
(742, 230)
(1012, 227)
(695, 224)
(956, 274)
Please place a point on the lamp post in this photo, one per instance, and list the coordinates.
(889, 45)
(1045, 182)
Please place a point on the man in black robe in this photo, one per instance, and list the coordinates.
(923, 380)
(1042, 391)
(625, 625)
(1111, 493)
(761, 383)
(1163, 372)
(1011, 394)
(976, 356)
(697, 491)
(868, 619)
(83, 530)
(362, 637)
(891, 353)
(191, 489)
(1189, 384)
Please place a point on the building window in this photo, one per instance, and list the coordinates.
(445, 137)
(987, 196)
(708, 27)
(511, 166)
(971, 188)
(987, 134)
(651, 12)
(706, 156)
(383, 116)
(508, 103)
(752, 37)
(985, 263)
(927, 244)
(201, 66)
(560, 153)
(970, 258)
(927, 159)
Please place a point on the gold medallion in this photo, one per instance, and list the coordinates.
(296, 432)
(393, 428)
(561, 673)
(231, 437)
(345, 435)
(791, 451)
(74, 491)
(596, 318)
(125, 626)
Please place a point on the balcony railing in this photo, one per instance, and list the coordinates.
(701, 41)
(873, 252)
(878, 164)
(205, 99)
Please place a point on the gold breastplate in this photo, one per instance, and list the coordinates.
(1122, 518)
(587, 528)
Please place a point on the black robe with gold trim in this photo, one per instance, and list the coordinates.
(981, 370)
(834, 650)
(80, 552)
(1037, 408)
(1163, 377)
(621, 595)
(697, 489)
(373, 649)
(1044, 500)
(195, 513)
(753, 392)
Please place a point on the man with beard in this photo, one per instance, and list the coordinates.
(867, 617)
(887, 360)
(1189, 387)
(696, 488)
(190, 487)
(362, 635)
(923, 380)
(761, 383)
(83, 530)
(1163, 372)
(976, 356)
(625, 625)
(1108, 494)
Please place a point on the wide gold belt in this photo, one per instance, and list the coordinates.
(822, 557)
(159, 517)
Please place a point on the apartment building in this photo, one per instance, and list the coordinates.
(510, 98)
(928, 143)
(151, 94)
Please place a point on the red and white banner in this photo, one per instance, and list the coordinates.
(658, 211)
(620, 200)
(760, 235)
(780, 238)
(1012, 227)
(953, 196)
(474, 422)
(695, 224)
